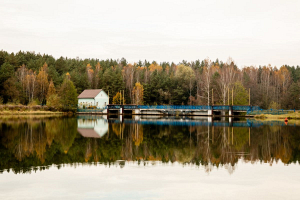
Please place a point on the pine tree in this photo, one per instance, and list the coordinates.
(68, 94)
(240, 95)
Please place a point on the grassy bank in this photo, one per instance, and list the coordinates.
(28, 110)
(290, 115)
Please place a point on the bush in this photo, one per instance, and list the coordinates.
(274, 105)
(37, 107)
(32, 103)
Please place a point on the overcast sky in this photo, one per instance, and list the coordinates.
(252, 32)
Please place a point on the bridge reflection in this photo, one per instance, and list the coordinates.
(204, 121)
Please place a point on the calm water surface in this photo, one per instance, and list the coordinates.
(88, 157)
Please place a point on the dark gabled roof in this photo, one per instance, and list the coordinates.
(89, 94)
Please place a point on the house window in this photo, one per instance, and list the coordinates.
(96, 103)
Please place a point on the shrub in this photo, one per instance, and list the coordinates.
(32, 103)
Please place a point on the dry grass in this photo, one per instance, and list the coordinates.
(9, 109)
(291, 115)
(29, 112)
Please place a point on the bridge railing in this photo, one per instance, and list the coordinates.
(220, 107)
(185, 107)
(89, 110)
(113, 106)
(241, 108)
(175, 107)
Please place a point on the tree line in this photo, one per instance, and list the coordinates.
(27, 77)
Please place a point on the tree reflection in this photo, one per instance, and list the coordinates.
(33, 144)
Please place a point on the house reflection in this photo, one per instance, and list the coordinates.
(92, 127)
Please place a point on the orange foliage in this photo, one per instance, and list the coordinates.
(154, 67)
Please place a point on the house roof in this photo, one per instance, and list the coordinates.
(89, 133)
(89, 94)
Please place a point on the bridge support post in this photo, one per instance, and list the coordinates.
(210, 111)
(137, 111)
(121, 111)
(230, 112)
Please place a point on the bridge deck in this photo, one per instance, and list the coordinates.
(245, 108)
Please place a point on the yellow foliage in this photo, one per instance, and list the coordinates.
(138, 135)
(154, 67)
(68, 75)
(118, 98)
(138, 94)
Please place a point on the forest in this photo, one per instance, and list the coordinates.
(29, 78)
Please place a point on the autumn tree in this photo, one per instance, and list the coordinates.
(128, 76)
(186, 77)
(206, 78)
(90, 73)
(52, 97)
(97, 75)
(138, 94)
(285, 78)
(30, 84)
(118, 98)
(227, 76)
(42, 83)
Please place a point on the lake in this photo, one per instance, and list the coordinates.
(148, 157)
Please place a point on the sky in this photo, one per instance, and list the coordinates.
(251, 32)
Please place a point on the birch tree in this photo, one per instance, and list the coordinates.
(42, 83)
(227, 76)
(138, 94)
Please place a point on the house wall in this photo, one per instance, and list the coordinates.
(86, 102)
(101, 99)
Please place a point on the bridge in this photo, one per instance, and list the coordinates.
(190, 110)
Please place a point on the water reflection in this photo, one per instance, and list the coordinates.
(32, 144)
(92, 127)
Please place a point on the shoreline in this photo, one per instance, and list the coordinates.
(29, 112)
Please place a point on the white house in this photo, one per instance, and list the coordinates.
(95, 97)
